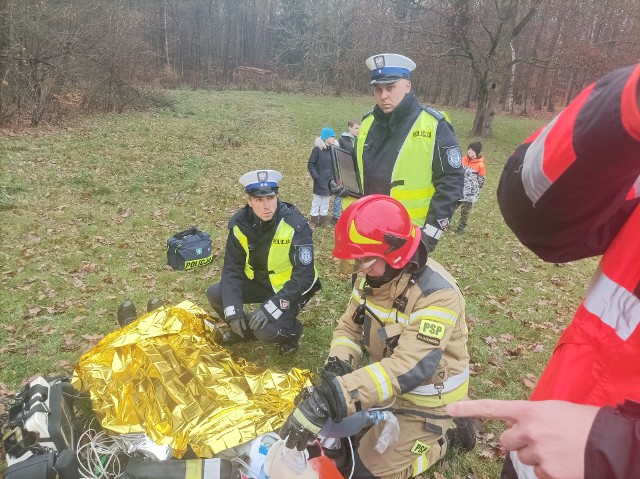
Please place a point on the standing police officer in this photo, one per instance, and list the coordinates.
(268, 260)
(407, 150)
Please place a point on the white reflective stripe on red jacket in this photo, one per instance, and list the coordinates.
(613, 304)
(522, 470)
(534, 180)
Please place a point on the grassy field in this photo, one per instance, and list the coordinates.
(86, 210)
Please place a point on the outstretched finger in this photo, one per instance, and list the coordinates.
(508, 411)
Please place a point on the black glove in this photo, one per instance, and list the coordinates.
(258, 319)
(338, 190)
(238, 325)
(305, 422)
(336, 366)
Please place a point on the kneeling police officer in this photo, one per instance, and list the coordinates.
(268, 260)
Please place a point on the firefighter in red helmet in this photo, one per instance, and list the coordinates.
(407, 313)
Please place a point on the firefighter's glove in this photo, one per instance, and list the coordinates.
(336, 366)
(338, 190)
(306, 420)
(259, 319)
(238, 325)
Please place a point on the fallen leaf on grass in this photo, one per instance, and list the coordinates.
(69, 343)
(537, 348)
(93, 337)
(489, 340)
(530, 381)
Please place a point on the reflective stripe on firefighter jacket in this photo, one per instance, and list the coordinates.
(278, 262)
(419, 354)
(413, 190)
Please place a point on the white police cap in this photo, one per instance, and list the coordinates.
(389, 68)
(261, 182)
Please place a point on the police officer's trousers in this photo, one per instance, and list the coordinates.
(286, 328)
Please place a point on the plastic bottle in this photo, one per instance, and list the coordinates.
(347, 427)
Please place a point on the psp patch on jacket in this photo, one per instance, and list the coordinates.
(305, 254)
(431, 332)
(454, 156)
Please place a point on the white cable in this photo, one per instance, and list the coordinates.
(98, 456)
(353, 459)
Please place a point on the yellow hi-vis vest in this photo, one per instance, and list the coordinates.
(411, 179)
(278, 262)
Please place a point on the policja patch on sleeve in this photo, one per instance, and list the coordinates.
(305, 254)
(454, 156)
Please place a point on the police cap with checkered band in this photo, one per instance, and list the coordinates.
(261, 182)
(389, 68)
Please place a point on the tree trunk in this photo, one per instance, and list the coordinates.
(512, 78)
(485, 111)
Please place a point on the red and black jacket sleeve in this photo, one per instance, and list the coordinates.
(568, 189)
(613, 446)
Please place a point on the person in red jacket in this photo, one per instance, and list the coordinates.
(570, 191)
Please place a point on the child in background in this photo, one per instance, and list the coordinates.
(320, 167)
(474, 177)
(347, 142)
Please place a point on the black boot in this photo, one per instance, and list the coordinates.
(322, 221)
(462, 434)
(154, 303)
(126, 313)
(229, 337)
(288, 347)
(313, 221)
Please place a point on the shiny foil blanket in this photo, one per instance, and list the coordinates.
(163, 376)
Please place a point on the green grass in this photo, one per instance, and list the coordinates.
(85, 212)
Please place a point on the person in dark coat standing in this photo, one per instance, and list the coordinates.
(321, 169)
(347, 142)
(268, 260)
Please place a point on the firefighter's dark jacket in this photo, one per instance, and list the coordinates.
(260, 235)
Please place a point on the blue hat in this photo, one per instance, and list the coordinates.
(327, 133)
(261, 182)
(389, 68)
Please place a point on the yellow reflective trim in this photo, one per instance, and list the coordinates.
(435, 401)
(278, 260)
(244, 242)
(344, 341)
(418, 194)
(415, 213)
(435, 313)
(381, 380)
(385, 315)
(304, 422)
(193, 469)
(357, 238)
(420, 465)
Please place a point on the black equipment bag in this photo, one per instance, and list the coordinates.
(188, 249)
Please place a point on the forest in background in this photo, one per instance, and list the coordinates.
(515, 56)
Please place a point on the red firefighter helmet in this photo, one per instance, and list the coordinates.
(376, 225)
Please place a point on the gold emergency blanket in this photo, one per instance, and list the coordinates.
(161, 376)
